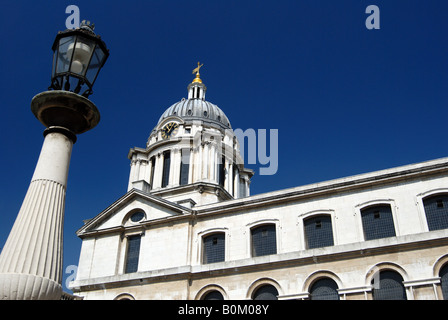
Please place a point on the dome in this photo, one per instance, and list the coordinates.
(197, 110)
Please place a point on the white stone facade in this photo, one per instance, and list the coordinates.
(177, 218)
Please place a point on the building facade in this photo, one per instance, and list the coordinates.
(188, 228)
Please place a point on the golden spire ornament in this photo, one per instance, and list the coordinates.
(196, 70)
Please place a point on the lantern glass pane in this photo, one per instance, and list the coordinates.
(55, 60)
(64, 58)
(95, 64)
(82, 52)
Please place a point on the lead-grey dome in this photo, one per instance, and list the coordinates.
(197, 110)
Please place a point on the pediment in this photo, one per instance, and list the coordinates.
(118, 214)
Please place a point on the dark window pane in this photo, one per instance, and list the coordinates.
(213, 295)
(133, 253)
(318, 232)
(390, 287)
(166, 168)
(444, 281)
(151, 179)
(264, 240)
(267, 292)
(221, 172)
(214, 248)
(324, 289)
(136, 217)
(436, 210)
(377, 222)
(185, 166)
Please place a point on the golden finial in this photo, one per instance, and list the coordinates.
(196, 70)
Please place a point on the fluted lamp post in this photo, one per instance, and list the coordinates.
(31, 260)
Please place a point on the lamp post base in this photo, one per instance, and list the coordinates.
(28, 287)
(65, 109)
(31, 260)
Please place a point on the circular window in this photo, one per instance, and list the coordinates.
(138, 216)
(205, 113)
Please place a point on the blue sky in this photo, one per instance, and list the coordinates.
(345, 99)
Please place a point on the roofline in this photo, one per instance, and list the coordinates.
(336, 185)
(286, 195)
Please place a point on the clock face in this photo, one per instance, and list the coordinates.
(169, 130)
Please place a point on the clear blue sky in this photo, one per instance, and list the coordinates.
(345, 100)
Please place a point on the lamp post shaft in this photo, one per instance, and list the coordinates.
(31, 261)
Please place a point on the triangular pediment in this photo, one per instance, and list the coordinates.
(118, 214)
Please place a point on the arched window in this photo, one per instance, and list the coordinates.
(133, 253)
(124, 296)
(436, 210)
(324, 289)
(318, 232)
(213, 295)
(390, 286)
(213, 248)
(378, 222)
(264, 240)
(266, 292)
(443, 274)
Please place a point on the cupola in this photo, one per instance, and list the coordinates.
(192, 155)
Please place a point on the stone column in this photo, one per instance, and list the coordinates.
(205, 162)
(191, 164)
(131, 174)
(157, 181)
(175, 164)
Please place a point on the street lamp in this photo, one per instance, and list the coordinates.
(79, 55)
(31, 260)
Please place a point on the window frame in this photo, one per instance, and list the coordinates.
(260, 226)
(444, 281)
(203, 250)
(373, 203)
(430, 197)
(221, 170)
(137, 258)
(320, 280)
(166, 169)
(315, 217)
(310, 214)
(184, 167)
(421, 208)
(152, 161)
(209, 232)
(377, 212)
(389, 271)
